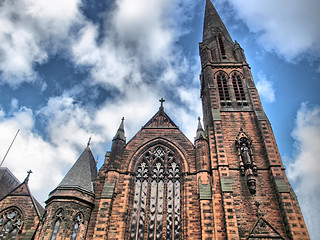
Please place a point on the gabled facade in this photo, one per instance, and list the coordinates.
(229, 183)
(20, 213)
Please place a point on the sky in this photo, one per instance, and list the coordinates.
(70, 70)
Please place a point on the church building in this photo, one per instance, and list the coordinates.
(229, 183)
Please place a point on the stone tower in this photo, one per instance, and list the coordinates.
(229, 183)
(251, 195)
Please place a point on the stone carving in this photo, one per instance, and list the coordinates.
(248, 167)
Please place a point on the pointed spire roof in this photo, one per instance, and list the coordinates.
(82, 173)
(120, 135)
(200, 132)
(213, 24)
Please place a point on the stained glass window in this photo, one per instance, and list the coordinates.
(10, 223)
(58, 216)
(158, 171)
(77, 221)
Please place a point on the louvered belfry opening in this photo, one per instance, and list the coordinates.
(238, 87)
(223, 87)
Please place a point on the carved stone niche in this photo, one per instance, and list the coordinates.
(248, 167)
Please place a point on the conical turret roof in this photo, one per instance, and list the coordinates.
(82, 173)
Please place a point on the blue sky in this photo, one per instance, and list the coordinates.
(72, 69)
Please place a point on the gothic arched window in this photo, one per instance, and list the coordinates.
(58, 218)
(238, 87)
(10, 223)
(223, 87)
(157, 191)
(78, 219)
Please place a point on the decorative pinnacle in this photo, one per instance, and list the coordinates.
(89, 141)
(199, 134)
(120, 133)
(27, 178)
(161, 101)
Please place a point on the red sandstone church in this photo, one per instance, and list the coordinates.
(229, 183)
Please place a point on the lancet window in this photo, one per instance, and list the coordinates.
(11, 222)
(238, 87)
(58, 219)
(221, 45)
(156, 202)
(223, 87)
(78, 219)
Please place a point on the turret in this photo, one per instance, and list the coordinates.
(71, 203)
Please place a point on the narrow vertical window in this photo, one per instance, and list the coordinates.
(139, 202)
(56, 229)
(156, 202)
(10, 223)
(221, 45)
(173, 202)
(238, 87)
(58, 216)
(77, 221)
(223, 87)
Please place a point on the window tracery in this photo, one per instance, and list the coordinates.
(11, 222)
(157, 192)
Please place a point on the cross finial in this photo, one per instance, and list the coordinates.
(89, 141)
(27, 178)
(161, 101)
(122, 119)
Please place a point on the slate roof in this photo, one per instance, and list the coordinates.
(82, 173)
(8, 181)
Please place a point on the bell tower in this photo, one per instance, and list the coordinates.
(252, 198)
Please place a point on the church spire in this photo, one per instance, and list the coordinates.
(213, 24)
(120, 133)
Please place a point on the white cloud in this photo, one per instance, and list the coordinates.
(30, 31)
(265, 88)
(305, 169)
(288, 27)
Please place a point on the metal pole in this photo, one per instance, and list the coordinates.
(9, 147)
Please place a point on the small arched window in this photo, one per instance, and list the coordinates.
(223, 87)
(10, 223)
(238, 87)
(58, 218)
(78, 219)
